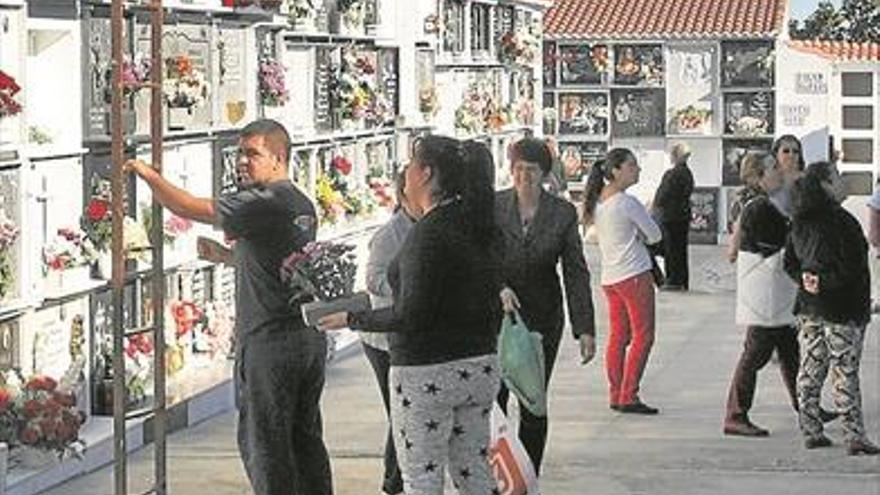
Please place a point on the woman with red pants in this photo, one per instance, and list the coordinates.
(624, 227)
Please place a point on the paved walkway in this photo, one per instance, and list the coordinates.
(592, 450)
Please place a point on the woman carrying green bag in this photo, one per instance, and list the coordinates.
(539, 231)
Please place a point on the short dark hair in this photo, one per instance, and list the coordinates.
(276, 136)
(808, 197)
(532, 150)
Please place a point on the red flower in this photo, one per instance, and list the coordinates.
(29, 436)
(98, 209)
(66, 399)
(32, 408)
(8, 83)
(66, 433)
(41, 382)
(341, 164)
(5, 399)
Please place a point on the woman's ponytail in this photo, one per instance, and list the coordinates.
(478, 193)
(595, 182)
(602, 171)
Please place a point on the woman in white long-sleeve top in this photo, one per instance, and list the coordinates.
(384, 245)
(624, 227)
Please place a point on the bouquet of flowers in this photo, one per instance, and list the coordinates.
(46, 416)
(135, 240)
(135, 73)
(97, 221)
(8, 421)
(299, 9)
(691, 118)
(139, 356)
(8, 89)
(273, 88)
(355, 90)
(428, 101)
(520, 47)
(174, 226)
(321, 270)
(69, 248)
(8, 235)
(184, 85)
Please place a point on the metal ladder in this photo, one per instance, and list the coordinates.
(158, 412)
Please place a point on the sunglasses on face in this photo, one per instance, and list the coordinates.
(789, 150)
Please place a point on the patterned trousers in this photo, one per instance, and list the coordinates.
(441, 414)
(838, 346)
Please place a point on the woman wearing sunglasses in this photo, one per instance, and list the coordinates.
(789, 154)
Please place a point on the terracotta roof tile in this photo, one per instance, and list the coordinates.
(646, 19)
(839, 50)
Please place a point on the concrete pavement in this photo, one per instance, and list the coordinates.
(591, 449)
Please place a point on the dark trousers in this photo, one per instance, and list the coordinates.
(380, 360)
(533, 429)
(279, 380)
(758, 348)
(675, 252)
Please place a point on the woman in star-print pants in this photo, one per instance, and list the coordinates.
(444, 320)
(441, 410)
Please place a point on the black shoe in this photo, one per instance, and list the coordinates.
(615, 407)
(638, 407)
(744, 429)
(862, 447)
(825, 415)
(673, 288)
(817, 442)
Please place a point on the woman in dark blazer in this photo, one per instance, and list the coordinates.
(539, 230)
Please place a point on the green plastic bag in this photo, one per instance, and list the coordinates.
(521, 354)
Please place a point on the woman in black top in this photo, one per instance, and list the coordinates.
(827, 255)
(764, 294)
(539, 231)
(445, 317)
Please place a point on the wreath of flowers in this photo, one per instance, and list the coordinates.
(429, 103)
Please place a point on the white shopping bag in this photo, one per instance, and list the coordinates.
(510, 463)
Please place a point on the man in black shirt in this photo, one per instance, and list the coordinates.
(279, 373)
(672, 208)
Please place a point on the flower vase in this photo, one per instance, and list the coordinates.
(35, 458)
(179, 118)
(304, 24)
(275, 112)
(53, 283)
(104, 265)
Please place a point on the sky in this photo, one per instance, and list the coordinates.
(801, 9)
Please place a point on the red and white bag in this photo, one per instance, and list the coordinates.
(510, 463)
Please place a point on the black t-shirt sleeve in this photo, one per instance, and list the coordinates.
(250, 212)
